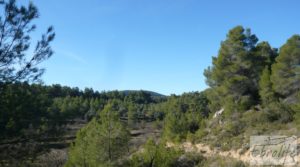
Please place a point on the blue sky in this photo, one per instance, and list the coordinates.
(158, 45)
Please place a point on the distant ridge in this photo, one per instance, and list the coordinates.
(155, 94)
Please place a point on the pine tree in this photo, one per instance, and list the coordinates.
(235, 73)
(132, 115)
(265, 85)
(175, 123)
(16, 64)
(102, 142)
(285, 80)
(286, 71)
(263, 56)
(229, 77)
(113, 132)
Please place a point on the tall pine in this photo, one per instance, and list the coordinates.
(286, 71)
(102, 142)
(234, 74)
(286, 77)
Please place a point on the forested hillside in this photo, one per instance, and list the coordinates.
(254, 89)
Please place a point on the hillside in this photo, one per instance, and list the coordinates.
(247, 115)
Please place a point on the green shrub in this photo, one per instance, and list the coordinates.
(155, 155)
(189, 160)
(279, 112)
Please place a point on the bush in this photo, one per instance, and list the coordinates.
(189, 160)
(280, 112)
(155, 155)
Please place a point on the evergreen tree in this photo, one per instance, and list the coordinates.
(230, 74)
(176, 123)
(265, 85)
(263, 57)
(16, 25)
(235, 73)
(132, 115)
(286, 71)
(102, 142)
(285, 79)
(113, 133)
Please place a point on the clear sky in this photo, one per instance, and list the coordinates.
(157, 45)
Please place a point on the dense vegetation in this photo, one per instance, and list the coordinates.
(253, 87)
(257, 85)
(32, 112)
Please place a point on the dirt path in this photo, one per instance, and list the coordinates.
(206, 151)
